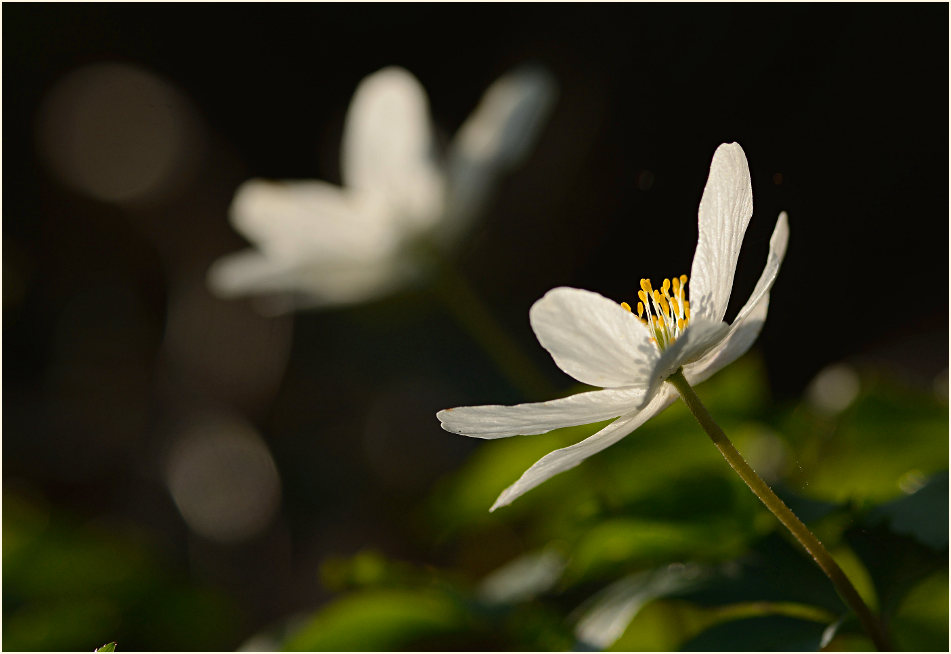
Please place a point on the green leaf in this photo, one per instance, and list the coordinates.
(773, 633)
(774, 570)
(868, 452)
(380, 620)
(896, 562)
(921, 621)
(923, 515)
(108, 647)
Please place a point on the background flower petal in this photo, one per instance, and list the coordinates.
(249, 272)
(313, 220)
(497, 136)
(593, 339)
(725, 211)
(568, 457)
(497, 421)
(388, 148)
(306, 283)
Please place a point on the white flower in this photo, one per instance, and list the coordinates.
(324, 244)
(631, 355)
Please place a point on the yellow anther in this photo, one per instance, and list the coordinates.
(665, 314)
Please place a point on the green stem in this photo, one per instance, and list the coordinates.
(766, 495)
(476, 318)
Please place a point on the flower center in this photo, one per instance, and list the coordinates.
(667, 314)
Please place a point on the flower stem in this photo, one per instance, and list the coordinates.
(476, 318)
(789, 519)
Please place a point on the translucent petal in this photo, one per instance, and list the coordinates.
(749, 321)
(743, 333)
(566, 458)
(777, 252)
(496, 421)
(593, 339)
(725, 211)
(388, 147)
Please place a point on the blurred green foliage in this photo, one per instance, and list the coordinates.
(659, 545)
(65, 585)
(653, 544)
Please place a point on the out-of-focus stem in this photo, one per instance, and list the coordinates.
(476, 318)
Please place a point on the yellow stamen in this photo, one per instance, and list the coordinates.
(665, 315)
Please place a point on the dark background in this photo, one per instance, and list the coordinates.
(112, 346)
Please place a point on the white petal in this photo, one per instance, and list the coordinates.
(606, 615)
(524, 578)
(502, 129)
(701, 336)
(593, 339)
(496, 421)
(249, 272)
(312, 220)
(743, 333)
(566, 458)
(725, 211)
(749, 321)
(497, 136)
(777, 251)
(388, 147)
(311, 284)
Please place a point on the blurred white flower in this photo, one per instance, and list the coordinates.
(630, 355)
(606, 616)
(325, 245)
(524, 578)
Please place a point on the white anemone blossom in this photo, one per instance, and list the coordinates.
(320, 244)
(631, 353)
